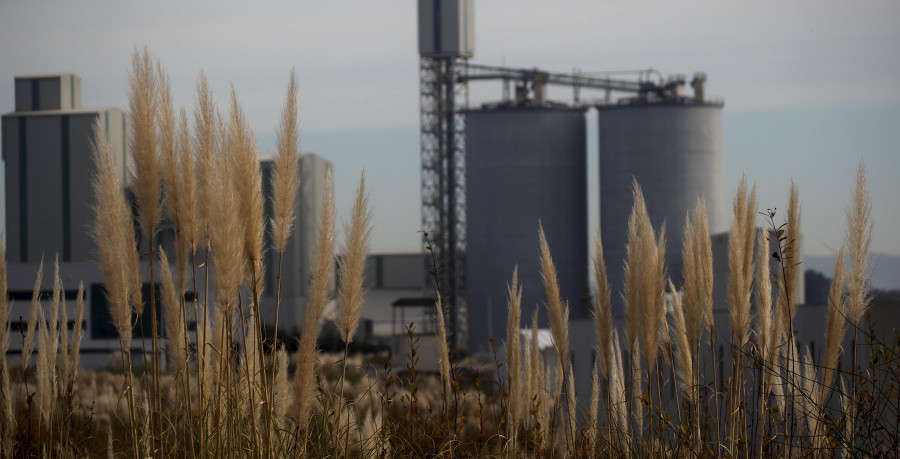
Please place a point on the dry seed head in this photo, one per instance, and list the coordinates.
(353, 264)
(247, 176)
(763, 298)
(683, 348)
(145, 173)
(512, 349)
(172, 316)
(205, 135)
(114, 236)
(304, 382)
(556, 311)
(285, 177)
(740, 262)
(792, 256)
(28, 344)
(835, 321)
(602, 308)
(859, 238)
(704, 263)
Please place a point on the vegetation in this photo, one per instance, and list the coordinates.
(231, 388)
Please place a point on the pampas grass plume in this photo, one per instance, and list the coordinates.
(284, 176)
(513, 353)
(602, 309)
(556, 311)
(859, 238)
(304, 382)
(353, 264)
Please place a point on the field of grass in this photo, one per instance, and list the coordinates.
(231, 390)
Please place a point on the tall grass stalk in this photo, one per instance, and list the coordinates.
(513, 356)
(558, 313)
(304, 383)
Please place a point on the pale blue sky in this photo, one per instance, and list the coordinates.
(810, 87)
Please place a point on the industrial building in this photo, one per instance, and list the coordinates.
(492, 170)
(47, 154)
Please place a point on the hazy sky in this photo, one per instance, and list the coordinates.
(810, 87)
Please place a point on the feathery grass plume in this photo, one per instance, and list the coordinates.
(205, 136)
(142, 102)
(282, 395)
(114, 236)
(248, 178)
(740, 262)
(658, 283)
(28, 344)
(683, 349)
(859, 238)
(225, 234)
(835, 321)
(812, 405)
(602, 309)
(535, 362)
(513, 354)
(632, 289)
(165, 113)
(692, 283)
(704, 263)
(77, 334)
(64, 361)
(7, 414)
(304, 382)
(594, 410)
(617, 400)
(792, 257)
(763, 299)
(527, 385)
(187, 185)
(572, 410)
(284, 176)
(557, 312)
(637, 390)
(443, 348)
(645, 280)
(187, 225)
(353, 264)
(48, 341)
(174, 322)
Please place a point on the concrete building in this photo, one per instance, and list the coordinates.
(47, 155)
(47, 151)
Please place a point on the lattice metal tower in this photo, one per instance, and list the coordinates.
(446, 42)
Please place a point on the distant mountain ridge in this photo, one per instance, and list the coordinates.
(885, 276)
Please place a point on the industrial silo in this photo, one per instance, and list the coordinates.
(523, 165)
(674, 150)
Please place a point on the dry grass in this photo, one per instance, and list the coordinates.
(227, 394)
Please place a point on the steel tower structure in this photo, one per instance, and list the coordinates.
(444, 179)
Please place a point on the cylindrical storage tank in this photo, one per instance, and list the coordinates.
(523, 165)
(674, 150)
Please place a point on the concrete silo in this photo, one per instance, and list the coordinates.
(524, 165)
(674, 150)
